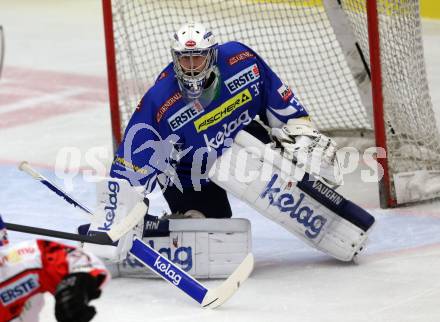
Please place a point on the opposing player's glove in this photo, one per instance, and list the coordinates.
(306, 146)
(73, 295)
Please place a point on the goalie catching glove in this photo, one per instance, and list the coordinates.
(307, 147)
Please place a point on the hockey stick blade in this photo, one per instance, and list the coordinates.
(25, 167)
(135, 216)
(166, 269)
(219, 295)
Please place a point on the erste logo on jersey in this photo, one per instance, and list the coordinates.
(19, 289)
(242, 79)
(240, 57)
(285, 92)
(167, 105)
(185, 115)
(224, 110)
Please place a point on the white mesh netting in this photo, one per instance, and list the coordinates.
(297, 40)
(413, 141)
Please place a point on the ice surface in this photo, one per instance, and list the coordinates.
(53, 96)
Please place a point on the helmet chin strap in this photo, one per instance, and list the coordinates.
(211, 89)
(212, 78)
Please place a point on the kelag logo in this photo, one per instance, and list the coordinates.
(226, 131)
(182, 256)
(167, 270)
(113, 188)
(285, 202)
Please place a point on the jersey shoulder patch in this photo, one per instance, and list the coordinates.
(163, 95)
(234, 52)
(170, 100)
(167, 72)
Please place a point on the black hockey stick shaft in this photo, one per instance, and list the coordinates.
(98, 238)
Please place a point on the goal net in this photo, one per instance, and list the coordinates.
(321, 49)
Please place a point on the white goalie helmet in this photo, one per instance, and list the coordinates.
(194, 51)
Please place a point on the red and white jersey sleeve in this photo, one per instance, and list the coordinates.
(37, 266)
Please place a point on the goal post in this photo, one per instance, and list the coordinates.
(2, 49)
(386, 197)
(112, 75)
(326, 50)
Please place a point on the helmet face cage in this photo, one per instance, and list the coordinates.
(3, 233)
(191, 80)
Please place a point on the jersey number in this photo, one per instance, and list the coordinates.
(256, 90)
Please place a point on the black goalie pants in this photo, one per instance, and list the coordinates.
(212, 201)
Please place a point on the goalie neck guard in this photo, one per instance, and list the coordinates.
(3, 233)
(194, 52)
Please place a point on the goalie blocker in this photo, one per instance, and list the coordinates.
(281, 191)
(203, 248)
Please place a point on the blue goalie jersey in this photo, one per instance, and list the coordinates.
(173, 139)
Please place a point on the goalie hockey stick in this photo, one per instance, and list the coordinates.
(100, 239)
(146, 255)
(166, 269)
(118, 229)
(25, 167)
(143, 252)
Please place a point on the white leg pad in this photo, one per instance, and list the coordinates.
(115, 199)
(204, 248)
(284, 194)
